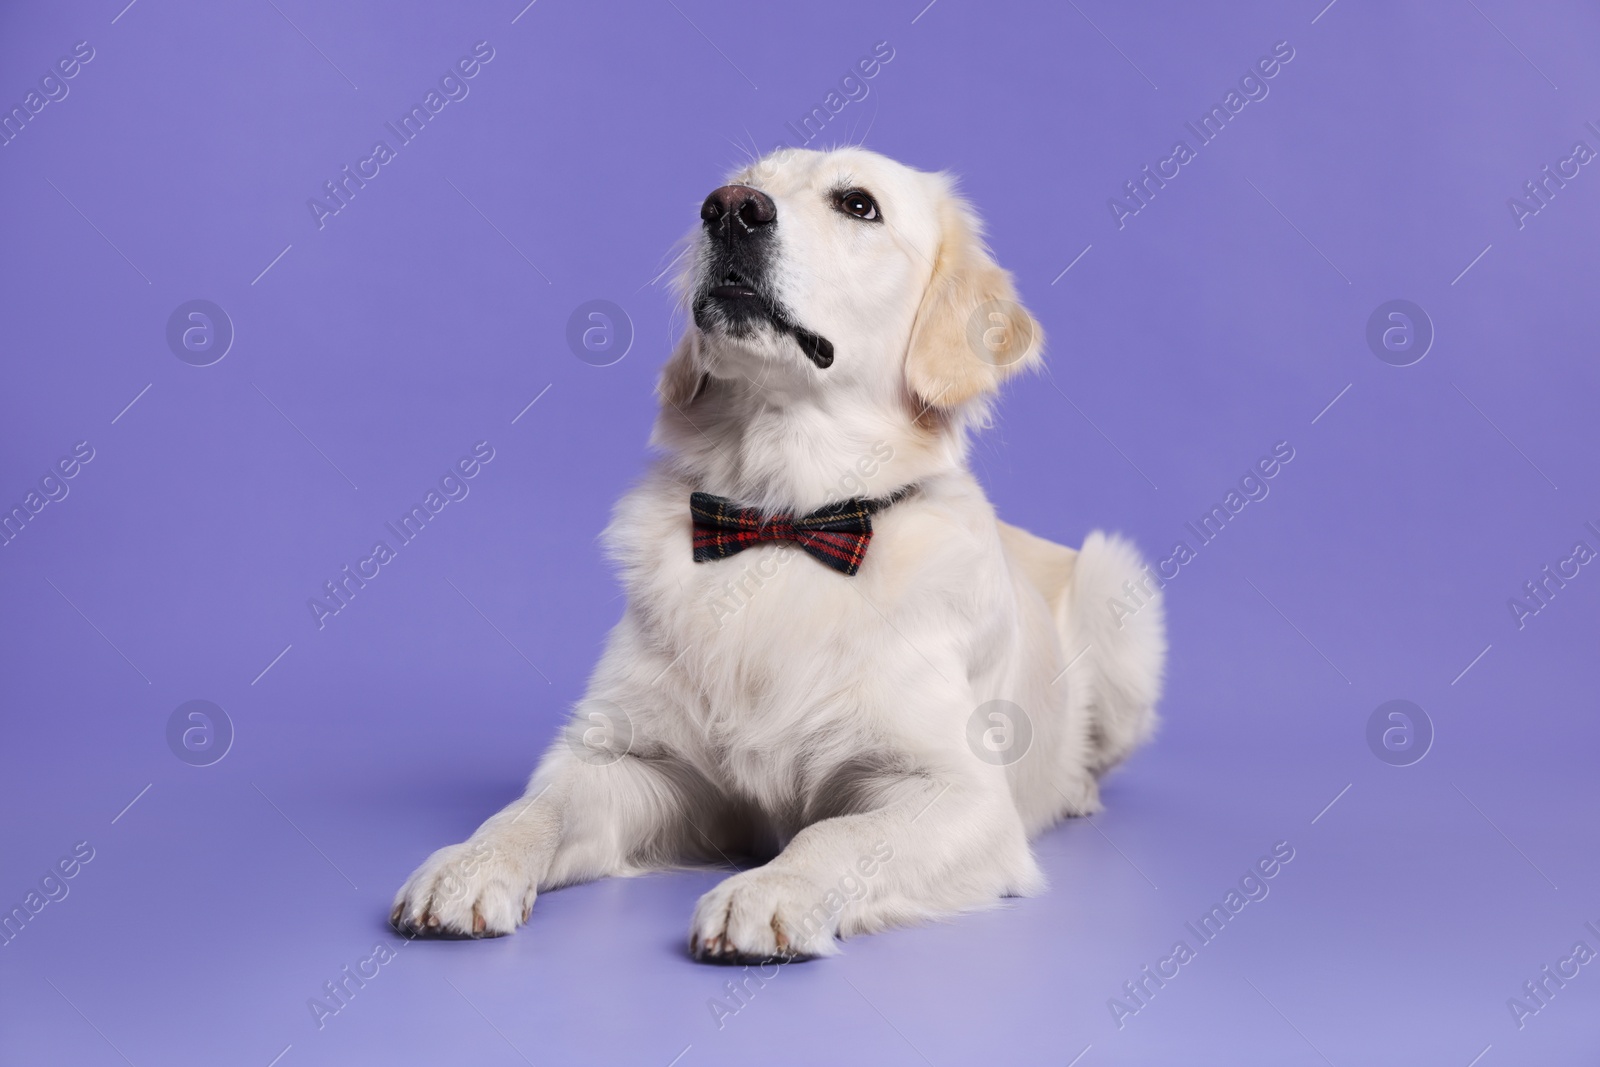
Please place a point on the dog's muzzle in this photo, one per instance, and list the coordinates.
(739, 222)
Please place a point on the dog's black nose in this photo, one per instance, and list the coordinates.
(750, 206)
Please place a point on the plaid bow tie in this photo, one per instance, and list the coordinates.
(837, 534)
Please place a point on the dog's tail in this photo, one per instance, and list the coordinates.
(1111, 620)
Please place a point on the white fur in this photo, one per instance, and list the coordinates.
(825, 718)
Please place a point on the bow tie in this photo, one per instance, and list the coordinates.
(837, 534)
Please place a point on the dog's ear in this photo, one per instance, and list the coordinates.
(682, 378)
(971, 333)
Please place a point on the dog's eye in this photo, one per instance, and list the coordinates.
(859, 204)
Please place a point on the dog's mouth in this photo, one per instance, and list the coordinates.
(733, 288)
(734, 303)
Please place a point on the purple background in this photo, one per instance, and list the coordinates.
(1223, 318)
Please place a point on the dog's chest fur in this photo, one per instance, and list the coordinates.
(781, 666)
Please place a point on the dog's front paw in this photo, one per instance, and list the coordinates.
(474, 889)
(763, 915)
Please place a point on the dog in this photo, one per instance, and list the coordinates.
(833, 655)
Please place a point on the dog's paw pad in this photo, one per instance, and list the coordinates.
(474, 889)
(1082, 797)
(759, 916)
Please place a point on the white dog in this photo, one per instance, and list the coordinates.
(839, 658)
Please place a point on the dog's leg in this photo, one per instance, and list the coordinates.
(579, 820)
(933, 845)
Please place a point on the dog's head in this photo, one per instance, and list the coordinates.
(846, 274)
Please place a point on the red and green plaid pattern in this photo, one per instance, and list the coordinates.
(837, 535)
